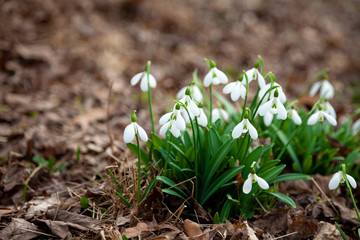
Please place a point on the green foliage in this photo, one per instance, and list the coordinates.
(49, 164)
(84, 201)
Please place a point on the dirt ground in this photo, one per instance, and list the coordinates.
(57, 59)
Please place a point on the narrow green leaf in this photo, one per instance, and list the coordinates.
(158, 142)
(123, 198)
(225, 211)
(173, 192)
(290, 177)
(115, 180)
(216, 218)
(170, 183)
(60, 167)
(84, 201)
(284, 198)
(144, 155)
(342, 233)
(149, 188)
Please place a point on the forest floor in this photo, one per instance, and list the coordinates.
(58, 58)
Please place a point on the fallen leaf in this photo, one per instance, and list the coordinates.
(136, 231)
(327, 231)
(6, 211)
(40, 204)
(80, 222)
(19, 229)
(193, 229)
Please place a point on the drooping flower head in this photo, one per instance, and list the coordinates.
(191, 106)
(253, 74)
(339, 178)
(328, 108)
(293, 115)
(134, 128)
(214, 76)
(219, 113)
(245, 126)
(144, 79)
(237, 89)
(194, 91)
(326, 89)
(272, 107)
(356, 127)
(320, 115)
(172, 121)
(281, 93)
(202, 119)
(253, 178)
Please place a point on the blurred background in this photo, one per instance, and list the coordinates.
(57, 59)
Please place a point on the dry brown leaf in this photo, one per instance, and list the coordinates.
(136, 231)
(40, 204)
(193, 229)
(6, 211)
(58, 228)
(327, 231)
(19, 229)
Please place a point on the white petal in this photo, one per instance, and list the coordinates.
(164, 128)
(221, 76)
(129, 133)
(202, 120)
(327, 90)
(261, 79)
(335, 181)
(264, 89)
(215, 115)
(268, 118)
(228, 88)
(224, 115)
(250, 75)
(242, 91)
(263, 109)
(180, 122)
(247, 185)
(208, 78)
(235, 94)
(296, 118)
(181, 93)
(142, 133)
(197, 94)
(282, 114)
(165, 118)
(262, 183)
(282, 96)
(186, 116)
(175, 131)
(315, 88)
(351, 181)
(144, 83)
(330, 118)
(313, 118)
(152, 81)
(356, 126)
(252, 130)
(330, 109)
(193, 108)
(135, 79)
(238, 130)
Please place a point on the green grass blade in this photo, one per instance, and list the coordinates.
(289, 177)
(284, 198)
(123, 198)
(341, 231)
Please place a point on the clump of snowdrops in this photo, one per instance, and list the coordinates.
(213, 154)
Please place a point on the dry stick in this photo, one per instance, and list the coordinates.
(326, 198)
(260, 203)
(28, 180)
(34, 231)
(286, 235)
(108, 117)
(109, 152)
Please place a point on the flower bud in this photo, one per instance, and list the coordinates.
(188, 92)
(177, 106)
(133, 116)
(147, 67)
(256, 65)
(241, 77)
(276, 93)
(200, 105)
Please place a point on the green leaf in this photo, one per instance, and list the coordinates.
(123, 198)
(158, 142)
(216, 218)
(290, 177)
(170, 183)
(51, 163)
(173, 192)
(225, 211)
(40, 160)
(149, 188)
(115, 180)
(342, 232)
(284, 198)
(144, 155)
(78, 154)
(60, 167)
(84, 201)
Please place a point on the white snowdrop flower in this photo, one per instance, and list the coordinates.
(293, 114)
(264, 89)
(237, 89)
(191, 106)
(194, 92)
(268, 118)
(143, 83)
(253, 178)
(273, 106)
(214, 76)
(356, 126)
(219, 113)
(172, 121)
(134, 128)
(326, 89)
(328, 108)
(320, 116)
(202, 119)
(254, 73)
(243, 127)
(339, 178)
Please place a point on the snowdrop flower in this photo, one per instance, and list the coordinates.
(265, 88)
(326, 89)
(292, 113)
(321, 115)
(339, 178)
(253, 178)
(254, 73)
(219, 113)
(202, 119)
(172, 121)
(134, 128)
(237, 89)
(328, 108)
(356, 126)
(273, 106)
(245, 126)
(194, 91)
(214, 76)
(191, 106)
(143, 84)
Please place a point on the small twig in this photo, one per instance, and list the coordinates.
(263, 208)
(34, 231)
(111, 138)
(286, 235)
(109, 152)
(326, 198)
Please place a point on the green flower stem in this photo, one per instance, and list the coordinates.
(149, 95)
(297, 132)
(351, 195)
(139, 170)
(211, 103)
(168, 153)
(262, 99)
(246, 95)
